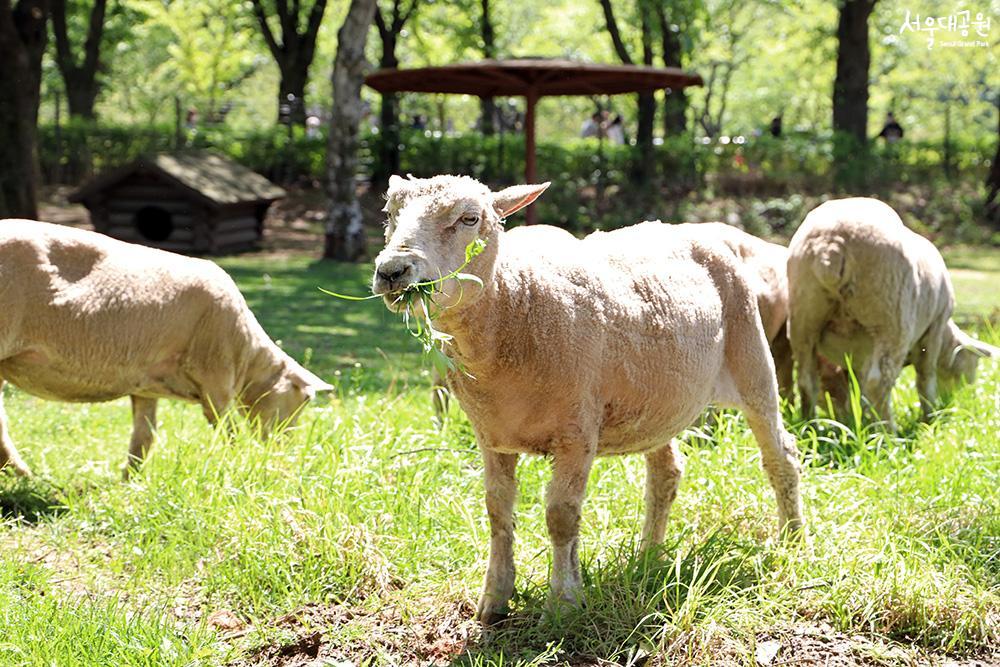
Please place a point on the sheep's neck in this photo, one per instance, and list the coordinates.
(479, 328)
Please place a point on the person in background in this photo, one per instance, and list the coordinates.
(775, 127)
(312, 126)
(592, 126)
(893, 131)
(615, 131)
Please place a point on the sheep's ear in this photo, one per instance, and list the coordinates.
(513, 199)
(980, 348)
(308, 381)
(395, 183)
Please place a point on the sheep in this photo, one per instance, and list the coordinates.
(543, 236)
(767, 273)
(577, 350)
(88, 318)
(864, 286)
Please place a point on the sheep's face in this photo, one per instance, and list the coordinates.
(430, 224)
(279, 405)
(961, 359)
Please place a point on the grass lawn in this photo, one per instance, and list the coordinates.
(362, 538)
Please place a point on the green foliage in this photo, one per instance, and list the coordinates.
(592, 182)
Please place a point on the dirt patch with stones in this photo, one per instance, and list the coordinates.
(341, 636)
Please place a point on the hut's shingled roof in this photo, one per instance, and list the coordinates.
(211, 177)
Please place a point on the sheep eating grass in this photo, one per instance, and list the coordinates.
(573, 351)
(88, 318)
(864, 286)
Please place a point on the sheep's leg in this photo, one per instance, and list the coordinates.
(664, 467)
(809, 309)
(781, 352)
(752, 369)
(214, 405)
(564, 500)
(779, 457)
(8, 452)
(501, 490)
(836, 383)
(143, 430)
(879, 377)
(926, 366)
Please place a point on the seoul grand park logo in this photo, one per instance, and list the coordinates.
(964, 29)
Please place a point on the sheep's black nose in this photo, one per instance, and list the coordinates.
(393, 270)
(391, 275)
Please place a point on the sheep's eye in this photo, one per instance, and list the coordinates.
(469, 219)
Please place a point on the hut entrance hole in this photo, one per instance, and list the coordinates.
(154, 223)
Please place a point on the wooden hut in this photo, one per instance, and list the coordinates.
(193, 202)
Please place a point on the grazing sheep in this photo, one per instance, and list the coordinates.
(579, 350)
(88, 318)
(862, 285)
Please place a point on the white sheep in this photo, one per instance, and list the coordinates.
(88, 318)
(864, 286)
(577, 350)
(544, 238)
(766, 271)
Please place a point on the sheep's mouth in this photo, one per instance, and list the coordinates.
(394, 300)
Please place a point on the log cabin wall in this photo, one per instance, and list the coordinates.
(147, 210)
(189, 202)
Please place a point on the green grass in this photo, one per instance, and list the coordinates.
(366, 524)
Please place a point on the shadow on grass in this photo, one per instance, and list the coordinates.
(633, 603)
(29, 501)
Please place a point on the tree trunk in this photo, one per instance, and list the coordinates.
(487, 107)
(345, 232)
(81, 94)
(388, 144)
(79, 75)
(22, 42)
(388, 162)
(647, 108)
(293, 52)
(993, 183)
(675, 102)
(850, 88)
(292, 93)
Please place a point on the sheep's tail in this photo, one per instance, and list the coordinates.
(830, 265)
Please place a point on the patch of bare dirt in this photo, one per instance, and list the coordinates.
(318, 636)
(819, 645)
(341, 635)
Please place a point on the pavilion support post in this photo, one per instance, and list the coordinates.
(530, 172)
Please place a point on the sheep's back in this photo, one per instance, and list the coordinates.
(102, 311)
(633, 325)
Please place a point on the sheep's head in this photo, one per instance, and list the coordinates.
(960, 357)
(431, 222)
(277, 400)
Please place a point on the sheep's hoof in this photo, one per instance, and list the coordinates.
(793, 532)
(490, 613)
(563, 600)
(19, 468)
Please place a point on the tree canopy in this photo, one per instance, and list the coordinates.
(759, 58)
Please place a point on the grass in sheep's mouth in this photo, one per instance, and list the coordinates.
(416, 303)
